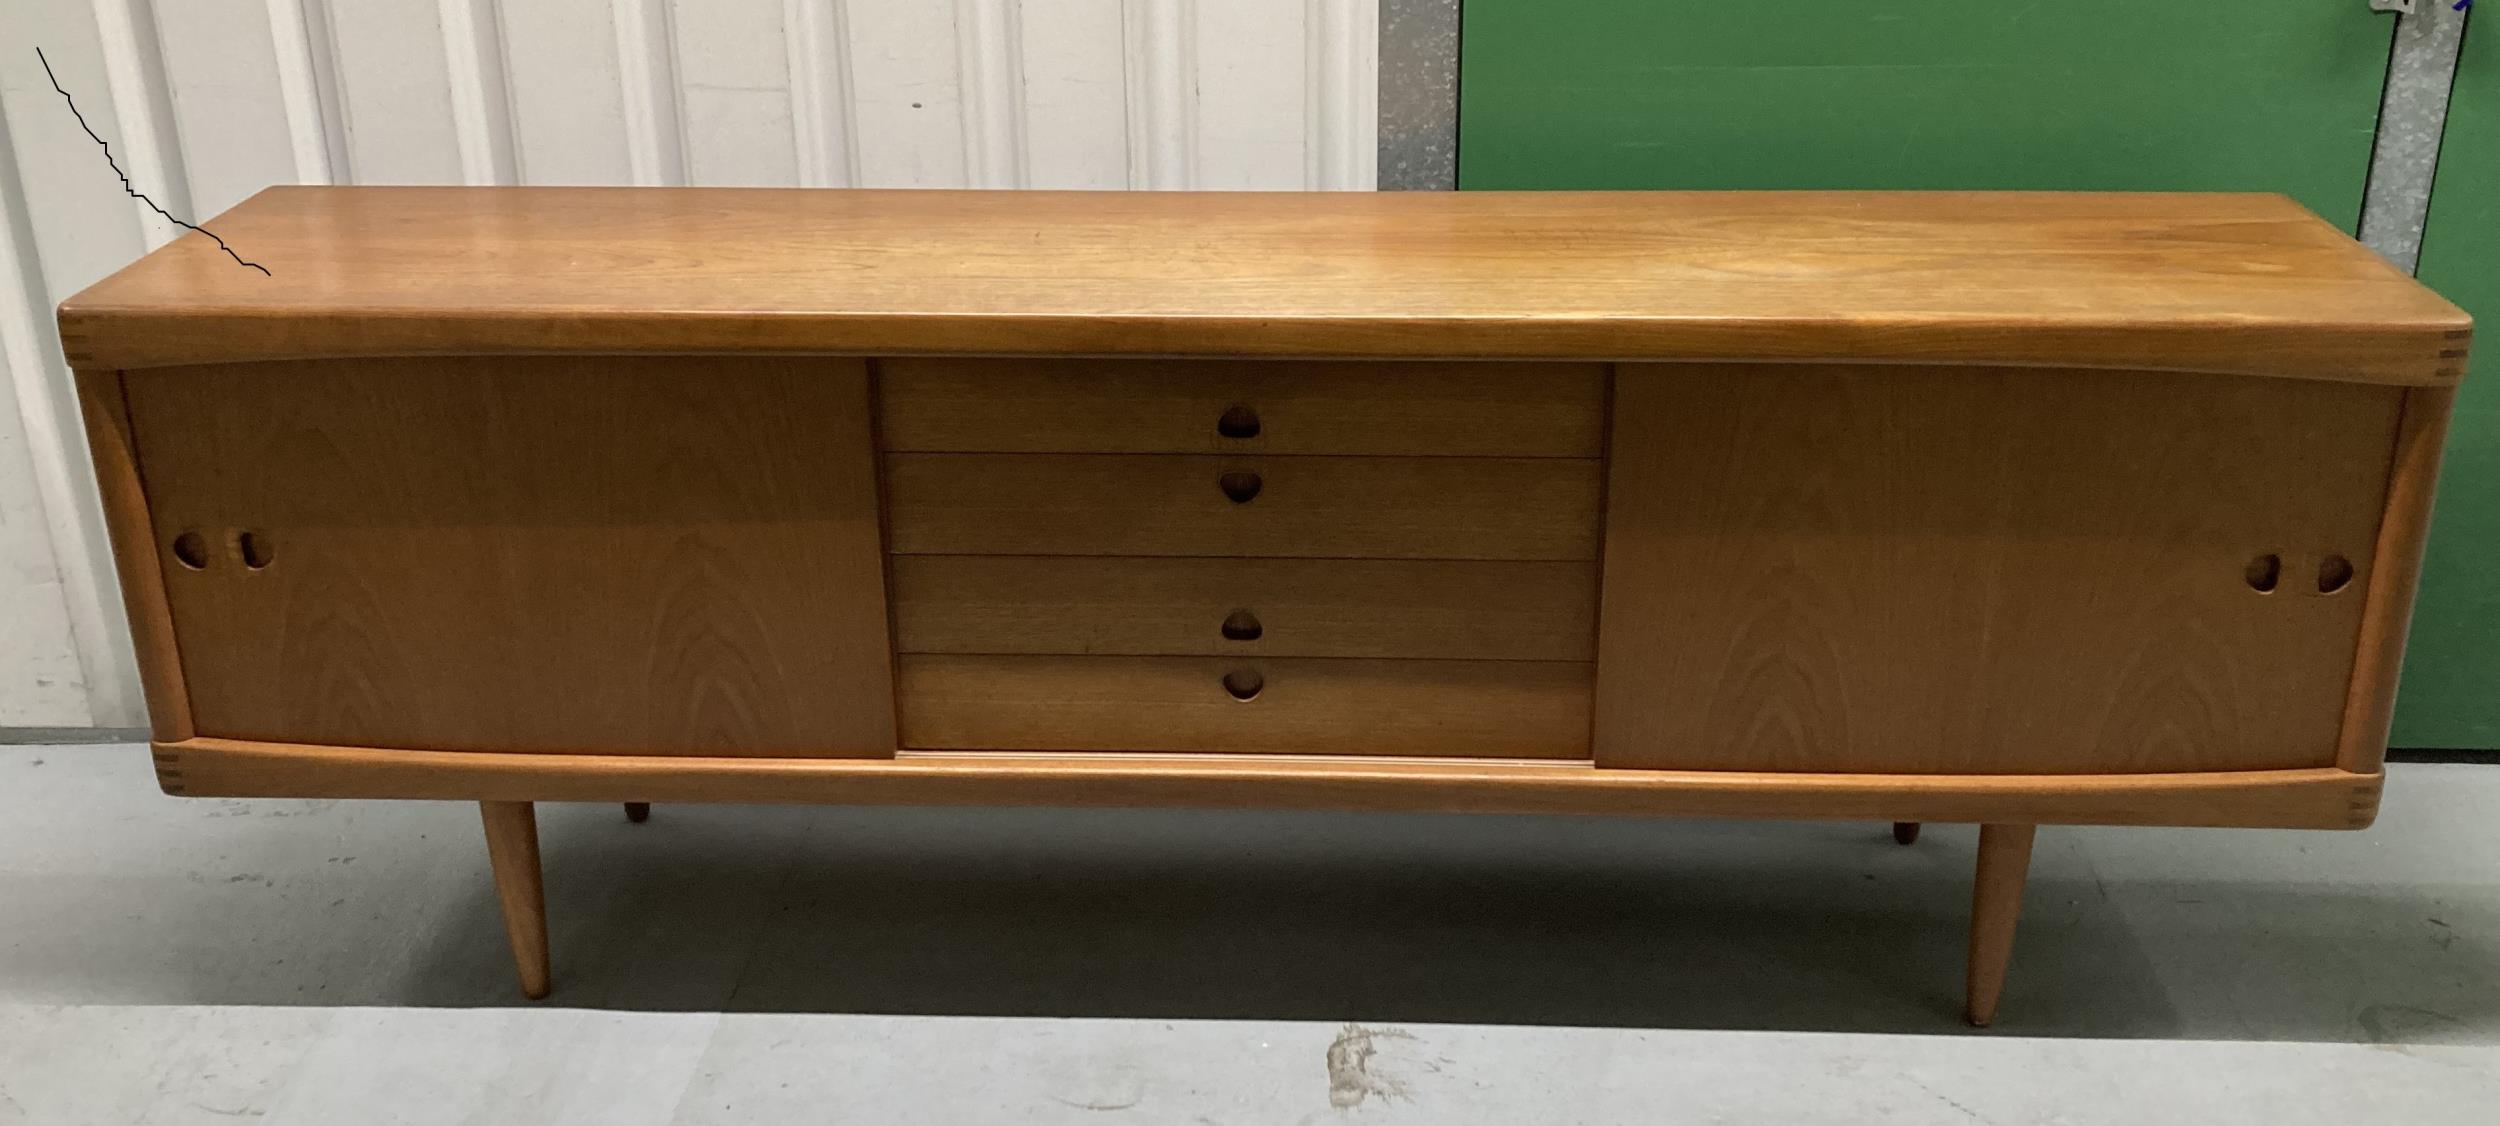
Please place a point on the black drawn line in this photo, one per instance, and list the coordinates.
(127, 186)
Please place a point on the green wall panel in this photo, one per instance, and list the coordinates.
(2278, 95)
(2450, 697)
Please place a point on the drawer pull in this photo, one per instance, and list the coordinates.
(1244, 684)
(256, 550)
(1242, 625)
(2334, 572)
(2264, 572)
(1240, 485)
(1239, 421)
(191, 548)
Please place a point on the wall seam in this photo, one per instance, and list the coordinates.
(1416, 142)
(293, 27)
(987, 43)
(1159, 66)
(2412, 121)
(816, 38)
(143, 113)
(654, 109)
(481, 101)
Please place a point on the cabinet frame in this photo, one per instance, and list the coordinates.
(2344, 796)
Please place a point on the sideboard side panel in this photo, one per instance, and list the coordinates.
(662, 555)
(126, 520)
(1941, 571)
(2370, 708)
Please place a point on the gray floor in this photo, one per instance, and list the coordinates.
(166, 960)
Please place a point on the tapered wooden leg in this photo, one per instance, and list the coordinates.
(512, 849)
(1905, 832)
(1996, 901)
(638, 811)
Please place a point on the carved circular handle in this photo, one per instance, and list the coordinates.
(2264, 573)
(1239, 421)
(1240, 486)
(191, 549)
(1244, 684)
(1242, 625)
(2334, 574)
(256, 549)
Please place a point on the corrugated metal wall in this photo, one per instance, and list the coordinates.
(207, 101)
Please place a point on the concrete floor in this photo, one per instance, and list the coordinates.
(172, 961)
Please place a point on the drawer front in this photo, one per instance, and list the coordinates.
(1528, 611)
(1301, 507)
(1296, 407)
(1464, 709)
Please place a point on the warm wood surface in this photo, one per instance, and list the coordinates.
(1483, 409)
(1970, 571)
(520, 888)
(1305, 507)
(2004, 866)
(1522, 611)
(2323, 798)
(135, 553)
(2370, 706)
(1458, 709)
(657, 555)
(2239, 283)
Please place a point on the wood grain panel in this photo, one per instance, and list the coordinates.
(1452, 709)
(1879, 569)
(1305, 507)
(1526, 611)
(126, 520)
(2237, 283)
(1175, 406)
(668, 556)
(2321, 798)
(2387, 614)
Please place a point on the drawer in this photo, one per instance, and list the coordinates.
(1481, 409)
(1530, 611)
(1299, 507)
(1469, 709)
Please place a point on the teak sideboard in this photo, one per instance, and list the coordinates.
(2000, 508)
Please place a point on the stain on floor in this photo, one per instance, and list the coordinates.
(1353, 1068)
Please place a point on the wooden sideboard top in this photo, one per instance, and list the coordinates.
(2249, 284)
